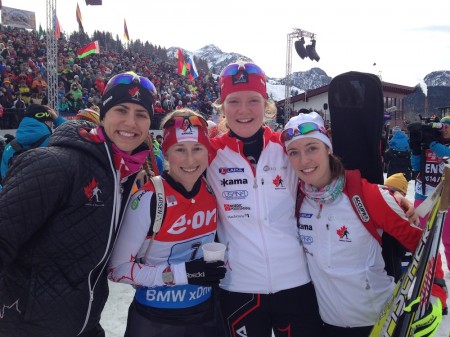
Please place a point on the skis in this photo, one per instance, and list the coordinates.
(393, 320)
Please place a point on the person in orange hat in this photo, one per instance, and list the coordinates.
(89, 115)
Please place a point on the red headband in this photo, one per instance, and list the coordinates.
(173, 135)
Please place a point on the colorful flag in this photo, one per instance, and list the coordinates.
(91, 48)
(125, 31)
(180, 61)
(57, 27)
(79, 19)
(41, 32)
(192, 68)
(94, 2)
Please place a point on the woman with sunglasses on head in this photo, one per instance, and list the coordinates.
(344, 258)
(267, 286)
(173, 282)
(60, 212)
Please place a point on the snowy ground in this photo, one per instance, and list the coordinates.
(115, 314)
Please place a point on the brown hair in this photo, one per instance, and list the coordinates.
(336, 167)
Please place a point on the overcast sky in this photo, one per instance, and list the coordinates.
(407, 40)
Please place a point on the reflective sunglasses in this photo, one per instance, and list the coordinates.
(234, 68)
(128, 78)
(183, 122)
(301, 129)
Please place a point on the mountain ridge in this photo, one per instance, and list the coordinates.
(301, 80)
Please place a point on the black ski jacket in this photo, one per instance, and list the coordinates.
(60, 212)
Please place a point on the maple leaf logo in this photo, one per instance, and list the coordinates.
(278, 182)
(227, 207)
(134, 92)
(343, 231)
(89, 188)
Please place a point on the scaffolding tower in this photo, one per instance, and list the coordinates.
(295, 34)
(52, 52)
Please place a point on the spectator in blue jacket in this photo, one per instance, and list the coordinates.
(34, 131)
(397, 157)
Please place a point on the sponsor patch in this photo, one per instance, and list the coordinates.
(235, 194)
(225, 170)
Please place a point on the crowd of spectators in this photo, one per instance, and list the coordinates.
(23, 78)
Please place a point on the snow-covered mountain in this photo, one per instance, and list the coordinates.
(439, 78)
(300, 81)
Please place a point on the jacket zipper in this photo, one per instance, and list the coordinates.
(112, 226)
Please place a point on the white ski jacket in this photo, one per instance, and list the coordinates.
(345, 260)
(257, 217)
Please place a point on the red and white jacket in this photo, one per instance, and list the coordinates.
(188, 224)
(257, 222)
(345, 260)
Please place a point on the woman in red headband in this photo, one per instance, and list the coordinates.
(267, 287)
(173, 282)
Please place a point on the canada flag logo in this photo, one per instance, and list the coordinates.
(92, 192)
(278, 182)
(343, 233)
(134, 93)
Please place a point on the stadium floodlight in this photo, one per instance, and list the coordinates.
(311, 50)
(300, 48)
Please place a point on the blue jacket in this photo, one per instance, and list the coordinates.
(399, 142)
(30, 130)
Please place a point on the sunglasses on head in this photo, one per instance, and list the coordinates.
(234, 68)
(181, 122)
(128, 78)
(301, 129)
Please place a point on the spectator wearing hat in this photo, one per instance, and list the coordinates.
(158, 108)
(88, 115)
(397, 183)
(397, 156)
(24, 89)
(60, 212)
(34, 131)
(39, 84)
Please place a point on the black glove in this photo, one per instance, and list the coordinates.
(203, 273)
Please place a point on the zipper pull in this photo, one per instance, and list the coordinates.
(262, 181)
(255, 185)
(320, 211)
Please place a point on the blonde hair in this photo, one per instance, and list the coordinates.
(184, 112)
(270, 112)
